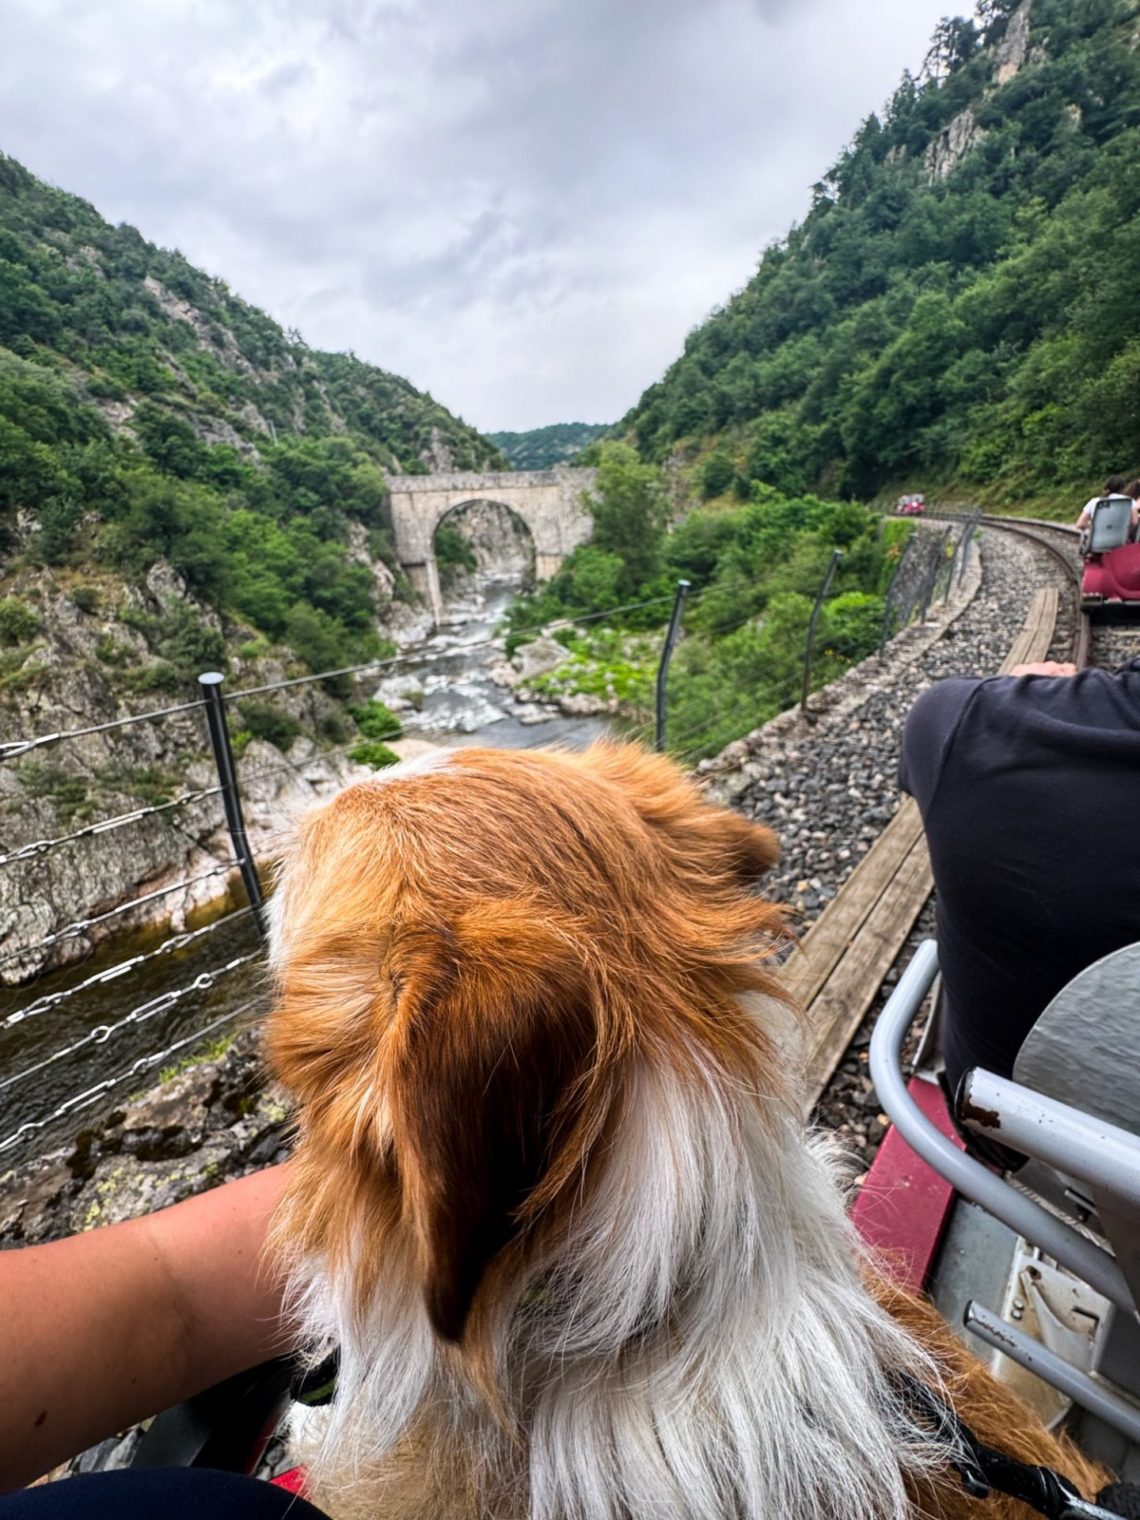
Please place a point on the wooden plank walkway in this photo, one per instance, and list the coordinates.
(836, 971)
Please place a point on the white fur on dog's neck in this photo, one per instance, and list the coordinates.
(704, 1349)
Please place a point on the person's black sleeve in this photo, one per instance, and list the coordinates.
(927, 736)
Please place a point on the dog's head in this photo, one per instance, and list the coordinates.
(473, 955)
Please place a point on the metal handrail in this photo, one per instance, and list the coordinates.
(1091, 1150)
(971, 1178)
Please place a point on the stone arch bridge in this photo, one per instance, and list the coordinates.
(549, 502)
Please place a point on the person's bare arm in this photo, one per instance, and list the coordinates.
(1045, 668)
(103, 1329)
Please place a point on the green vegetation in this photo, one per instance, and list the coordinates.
(754, 568)
(453, 554)
(372, 752)
(375, 721)
(147, 413)
(543, 448)
(974, 323)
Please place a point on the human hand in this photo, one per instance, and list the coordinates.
(1045, 668)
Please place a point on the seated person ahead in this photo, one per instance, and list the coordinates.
(1113, 486)
(1029, 786)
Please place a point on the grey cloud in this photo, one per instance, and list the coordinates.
(522, 205)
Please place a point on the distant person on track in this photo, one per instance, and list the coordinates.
(1113, 486)
(1027, 785)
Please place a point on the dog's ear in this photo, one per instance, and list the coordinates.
(669, 803)
(495, 1035)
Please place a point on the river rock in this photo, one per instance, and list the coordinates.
(213, 1121)
(400, 693)
(504, 674)
(539, 657)
(582, 704)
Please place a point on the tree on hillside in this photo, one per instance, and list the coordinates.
(629, 509)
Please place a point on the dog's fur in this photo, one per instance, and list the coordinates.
(552, 1195)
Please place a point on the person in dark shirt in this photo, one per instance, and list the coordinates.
(1029, 788)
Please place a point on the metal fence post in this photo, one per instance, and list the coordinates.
(211, 683)
(666, 656)
(809, 648)
(891, 586)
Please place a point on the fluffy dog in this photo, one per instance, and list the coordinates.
(553, 1197)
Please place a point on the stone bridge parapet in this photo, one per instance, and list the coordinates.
(549, 502)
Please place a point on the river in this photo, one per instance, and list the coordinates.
(113, 1029)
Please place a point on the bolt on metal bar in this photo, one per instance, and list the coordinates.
(211, 683)
(809, 647)
(666, 656)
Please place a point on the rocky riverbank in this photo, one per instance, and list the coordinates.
(215, 1120)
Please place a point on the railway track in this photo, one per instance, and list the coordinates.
(838, 971)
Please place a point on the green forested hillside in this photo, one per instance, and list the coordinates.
(543, 448)
(962, 303)
(146, 412)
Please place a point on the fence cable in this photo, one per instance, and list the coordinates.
(105, 826)
(143, 1064)
(52, 1000)
(139, 1015)
(17, 747)
(419, 654)
(81, 925)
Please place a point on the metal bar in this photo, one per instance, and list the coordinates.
(1076, 1385)
(211, 683)
(1078, 1144)
(809, 647)
(666, 655)
(907, 547)
(970, 1177)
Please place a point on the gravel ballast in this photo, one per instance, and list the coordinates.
(829, 787)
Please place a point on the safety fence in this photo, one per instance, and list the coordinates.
(74, 1037)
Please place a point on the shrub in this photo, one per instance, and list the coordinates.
(18, 622)
(86, 598)
(109, 651)
(373, 753)
(375, 721)
(717, 474)
(452, 552)
(852, 624)
(263, 720)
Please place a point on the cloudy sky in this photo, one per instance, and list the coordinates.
(521, 205)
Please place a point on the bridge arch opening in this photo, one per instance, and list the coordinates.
(486, 540)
